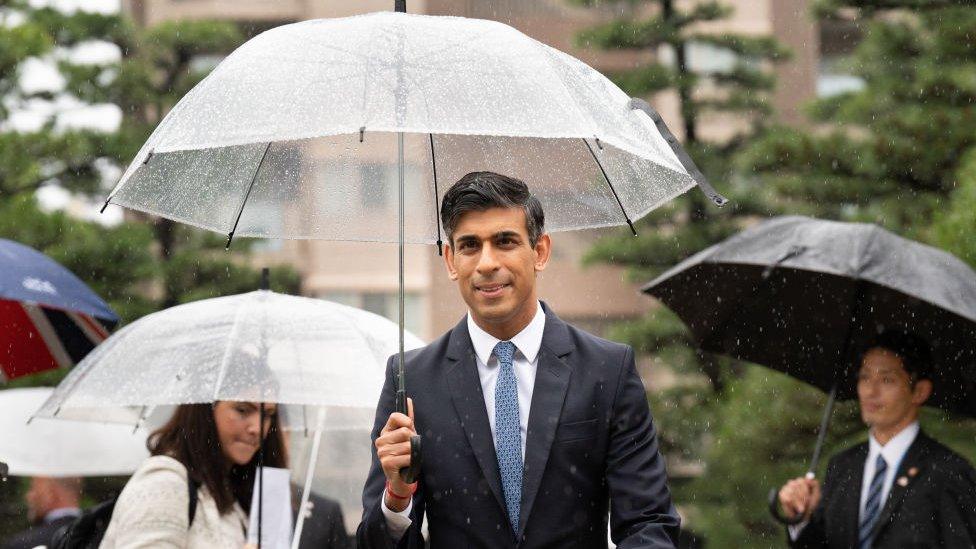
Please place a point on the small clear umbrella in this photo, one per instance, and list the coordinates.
(328, 129)
(258, 346)
(324, 363)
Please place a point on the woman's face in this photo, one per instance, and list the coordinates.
(237, 428)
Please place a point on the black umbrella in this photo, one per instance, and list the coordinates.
(805, 297)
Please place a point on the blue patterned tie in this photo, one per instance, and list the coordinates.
(872, 507)
(508, 439)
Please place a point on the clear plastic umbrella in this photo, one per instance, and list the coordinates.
(328, 129)
(302, 133)
(259, 346)
(63, 448)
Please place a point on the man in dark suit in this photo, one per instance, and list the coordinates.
(899, 489)
(51, 504)
(530, 427)
(324, 527)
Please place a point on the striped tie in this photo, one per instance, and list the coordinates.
(872, 507)
(508, 438)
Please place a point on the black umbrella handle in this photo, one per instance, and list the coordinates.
(411, 473)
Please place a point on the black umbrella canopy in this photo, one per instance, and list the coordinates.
(806, 297)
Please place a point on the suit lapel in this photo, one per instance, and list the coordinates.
(469, 403)
(913, 461)
(548, 393)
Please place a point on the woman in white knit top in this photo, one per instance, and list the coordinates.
(216, 445)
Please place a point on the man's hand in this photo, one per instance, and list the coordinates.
(799, 497)
(393, 451)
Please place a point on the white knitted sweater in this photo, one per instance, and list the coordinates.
(152, 512)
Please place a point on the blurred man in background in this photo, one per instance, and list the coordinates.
(51, 504)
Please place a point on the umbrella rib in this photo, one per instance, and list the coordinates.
(437, 222)
(240, 210)
(614, 191)
(225, 359)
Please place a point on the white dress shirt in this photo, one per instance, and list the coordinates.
(893, 452)
(61, 512)
(525, 363)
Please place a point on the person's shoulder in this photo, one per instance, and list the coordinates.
(161, 466)
(31, 538)
(946, 461)
(432, 351)
(156, 473)
(855, 454)
(157, 492)
(582, 339)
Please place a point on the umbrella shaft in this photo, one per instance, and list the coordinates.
(400, 220)
(822, 433)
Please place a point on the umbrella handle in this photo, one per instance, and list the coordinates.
(410, 473)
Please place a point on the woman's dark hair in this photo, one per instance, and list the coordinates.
(479, 191)
(190, 437)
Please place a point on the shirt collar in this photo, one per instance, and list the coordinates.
(895, 450)
(61, 513)
(528, 341)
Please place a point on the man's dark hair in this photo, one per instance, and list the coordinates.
(480, 191)
(910, 348)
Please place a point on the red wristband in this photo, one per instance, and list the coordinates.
(394, 495)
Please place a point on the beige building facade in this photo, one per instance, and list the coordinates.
(593, 297)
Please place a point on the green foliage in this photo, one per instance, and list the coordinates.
(687, 412)
(901, 152)
(955, 226)
(138, 267)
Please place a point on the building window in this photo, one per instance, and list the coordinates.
(384, 304)
(838, 40)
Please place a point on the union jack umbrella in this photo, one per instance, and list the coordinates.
(48, 317)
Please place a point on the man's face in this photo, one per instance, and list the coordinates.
(38, 498)
(495, 266)
(885, 391)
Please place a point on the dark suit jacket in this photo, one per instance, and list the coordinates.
(38, 535)
(590, 440)
(933, 506)
(324, 528)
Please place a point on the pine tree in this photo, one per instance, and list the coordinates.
(688, 224)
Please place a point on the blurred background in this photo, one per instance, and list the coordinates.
(849, 110)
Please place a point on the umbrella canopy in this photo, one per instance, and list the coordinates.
(48, 317)
(63, 448)
(258, 346)
(296, 133)
(806, 296)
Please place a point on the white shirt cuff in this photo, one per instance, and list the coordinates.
(397, 523)
(793, 529)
